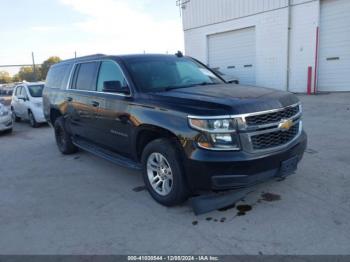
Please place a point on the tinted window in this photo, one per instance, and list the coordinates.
(36, 91)
(163, 73)
(85, 76)
(110, 71)
(58, 76)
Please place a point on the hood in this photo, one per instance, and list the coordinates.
(225, 99)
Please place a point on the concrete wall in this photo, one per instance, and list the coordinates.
(198, 13)
(271, 39)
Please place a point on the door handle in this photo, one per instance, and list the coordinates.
(69, 99)
(95, 103)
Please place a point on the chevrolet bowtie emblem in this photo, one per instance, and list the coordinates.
(285, 124)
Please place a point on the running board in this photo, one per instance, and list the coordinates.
(106, 154)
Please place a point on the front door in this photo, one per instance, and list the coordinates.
(112, 118)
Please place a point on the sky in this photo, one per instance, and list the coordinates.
(61, 27)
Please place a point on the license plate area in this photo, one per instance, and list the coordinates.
(289, 166)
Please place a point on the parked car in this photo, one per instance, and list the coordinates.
(5, 119)
(174, 119)
(27, 103)
(228, 78)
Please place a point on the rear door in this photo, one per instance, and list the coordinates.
(80, 99)
(19, 105)
(15, 100)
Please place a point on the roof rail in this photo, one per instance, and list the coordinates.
(85, 57)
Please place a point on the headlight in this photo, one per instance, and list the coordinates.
(217, 134)
(39, 104)
(213, 125)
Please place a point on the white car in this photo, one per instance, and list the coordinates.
(5, 119)
(27, 103)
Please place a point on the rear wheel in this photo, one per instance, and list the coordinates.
(63, 138)
(163, 173)
(32, 120)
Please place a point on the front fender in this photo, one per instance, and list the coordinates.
(162, 120)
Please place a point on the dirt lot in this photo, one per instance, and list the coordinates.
(80, 204)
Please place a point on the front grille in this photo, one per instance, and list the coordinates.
(274, 139)
(274, 117)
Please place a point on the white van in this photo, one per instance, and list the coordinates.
(27, 103)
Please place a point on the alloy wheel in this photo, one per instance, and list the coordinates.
(159, 173)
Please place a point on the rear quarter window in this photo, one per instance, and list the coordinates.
(58, 76)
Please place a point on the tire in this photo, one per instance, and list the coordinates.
(32, 120)
(14, 117)
(63, 138)
(167, 193)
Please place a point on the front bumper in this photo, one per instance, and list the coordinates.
(210, 170)
(5, 122)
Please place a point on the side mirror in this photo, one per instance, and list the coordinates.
(115, 87)
(233, 82)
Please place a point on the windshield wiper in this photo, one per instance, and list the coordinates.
(204, 84)
(168, 88)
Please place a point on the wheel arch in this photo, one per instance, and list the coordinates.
(54, 114)
(148, 133)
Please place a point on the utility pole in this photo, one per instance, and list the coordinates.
(34, 66)
(75, 54)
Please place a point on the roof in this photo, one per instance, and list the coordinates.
(123, 57)
(31, 83)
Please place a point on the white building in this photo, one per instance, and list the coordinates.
(250, 39)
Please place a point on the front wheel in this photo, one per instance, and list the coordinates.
(32, 120)
(14, 117)
(163, 173)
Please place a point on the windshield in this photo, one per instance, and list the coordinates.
(166, 73)
(36, 90)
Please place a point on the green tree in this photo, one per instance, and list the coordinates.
(46, 65)
(26, 73)
(16, 78)
(5, 77)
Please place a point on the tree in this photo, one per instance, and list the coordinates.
(5, 77)
(26, 73)
(16, 78)
(46, 65)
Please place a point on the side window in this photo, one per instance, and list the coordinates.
(58, 76)
(18, 91)
(23, 92)
(85, 76)
(110, 71)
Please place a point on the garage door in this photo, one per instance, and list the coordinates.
(234, 54)
(334, 56)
